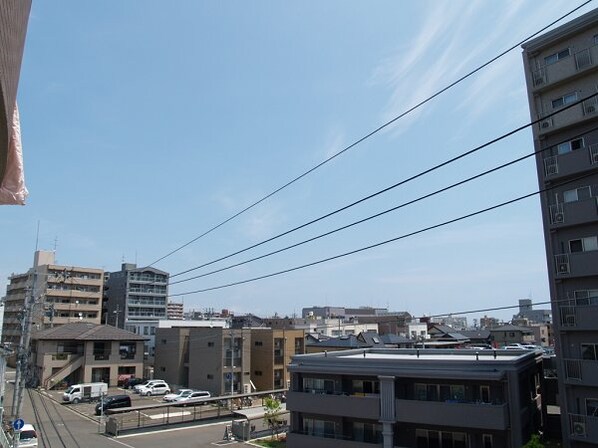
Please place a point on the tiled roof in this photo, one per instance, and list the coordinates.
(85, 331)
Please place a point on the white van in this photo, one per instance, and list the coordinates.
(84, 392)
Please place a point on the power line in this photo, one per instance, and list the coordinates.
(377, 193)
(367, 136)
(382, 243)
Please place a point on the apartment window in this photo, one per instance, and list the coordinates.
(366, 387)
(258, 373)
(577, 194)
(573, 145)
(258, 343)
(589, 352)
(320, 428)
(367, 432)
(564, 100)
(163, 369)
(487, 441)
(163, 341)
(210, 376)
(587, 244)
(485, 394)
(145, 331)
(152, 331)
(440, 439)
(586, 297)
(555, 57)
(592, 407)
(210, 344)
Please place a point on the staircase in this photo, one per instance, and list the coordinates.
(64, 372)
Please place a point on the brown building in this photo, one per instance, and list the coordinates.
(174, 311)
(205, 358)
(63, 294)
(271, 352)
(561, 69)
(85, 352)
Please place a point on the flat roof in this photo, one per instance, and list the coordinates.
(467, 355)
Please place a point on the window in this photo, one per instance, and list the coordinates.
(487, 441)
(586, 297)
(258, 343)
(573, 145)
(210, 344)
(258, 373)
(210, 376)
(485, 394)
(163, 369)
(555, 57)
(564, 100)
(163, 341)
(589, 352)
(592, 407)
(577, 194)
(436, 439)
(596, 39)
(367, 432)
(586, 244)
(366, 387)
(145, 331)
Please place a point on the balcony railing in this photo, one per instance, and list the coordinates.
(564, 68)
(562, 265)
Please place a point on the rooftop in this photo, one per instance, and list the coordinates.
(86, 331)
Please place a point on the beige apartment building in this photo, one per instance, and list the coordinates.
(84, 352)
(561, 69)
(213, 359)
(271, 352)
(62, 294)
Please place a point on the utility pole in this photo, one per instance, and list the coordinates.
(116, 312)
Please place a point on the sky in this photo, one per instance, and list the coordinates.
(145, 124)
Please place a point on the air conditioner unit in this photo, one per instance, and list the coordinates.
(595, 158)
(590, 109)
(539, 80)
(579, 428)
(559, 218)
(563, 268)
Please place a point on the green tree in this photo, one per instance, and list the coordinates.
(272, 412)
(534, 442)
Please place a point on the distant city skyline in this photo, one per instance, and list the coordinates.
(142, 129)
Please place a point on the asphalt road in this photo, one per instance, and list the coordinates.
(59, 426)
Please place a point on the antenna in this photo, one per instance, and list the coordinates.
(37, 236)
(55, 243)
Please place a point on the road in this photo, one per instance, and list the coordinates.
(59, 426)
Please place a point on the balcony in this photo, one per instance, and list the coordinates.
(583, 428)
(581, 372)
(466, 415)
(578, 317)
(573, 162)
(578, 113)
(565, 214)
(579, 264)
(552, 74)
(355, 406)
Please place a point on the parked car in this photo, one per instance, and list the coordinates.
(192, 398)
(28, 437)
(132, 382)
(113, 402)
(146, 384)
(155, 389)
(179, 393)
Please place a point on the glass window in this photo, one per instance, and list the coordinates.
(487, 441)
(458, 392)
(420, 391)
(555, 57)
(588, 352)
(592, 407)
(564, 100)
(586, 244)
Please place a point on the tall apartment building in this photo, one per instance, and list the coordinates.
(136, 299)
(415, 398)
(63, 294)
(561, 68)
(174, 311)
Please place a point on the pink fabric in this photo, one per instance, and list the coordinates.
(12, 189)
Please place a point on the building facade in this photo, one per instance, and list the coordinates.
(174, 311)
(561, 69)
(63, 294)
(415, 398)
(84, 353)
(136, 299)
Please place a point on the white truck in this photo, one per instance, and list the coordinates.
(84, 392)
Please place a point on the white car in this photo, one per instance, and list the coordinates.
(155, 389)
(180, 393)
(192, 398)
(28, 437)
(137, 388)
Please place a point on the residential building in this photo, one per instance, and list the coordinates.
(135, 299)
(271, 352)
(561, 68)
(213, 359)
(174, 311)
(63, 294)
(415, 398)
(511, 334)
(84, 352)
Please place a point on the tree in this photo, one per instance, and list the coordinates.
(534, 442)
(272, 412)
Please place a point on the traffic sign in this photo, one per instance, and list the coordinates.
(229, 376)
(18, 424)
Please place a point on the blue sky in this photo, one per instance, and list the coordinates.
(144, 124)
